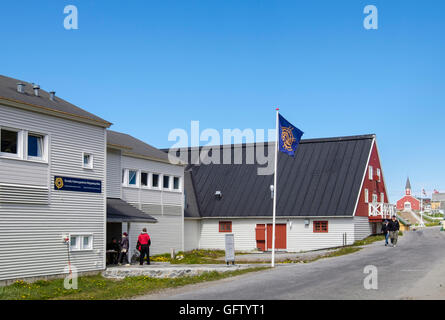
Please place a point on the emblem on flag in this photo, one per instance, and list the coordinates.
(289, 136)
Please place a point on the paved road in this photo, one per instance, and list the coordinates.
(415, 269)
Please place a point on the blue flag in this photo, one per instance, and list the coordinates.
(289, 136)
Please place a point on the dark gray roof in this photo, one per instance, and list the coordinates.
(408, 184)
(135, 146)
(323, 179)
(8, 91)
(120, 211)
(191, 209)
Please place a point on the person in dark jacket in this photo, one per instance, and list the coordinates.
(124, 249)
(393, 228)
(385, 231)
(114, 251)
(144, 242)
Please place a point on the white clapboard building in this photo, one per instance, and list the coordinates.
(330, 194)
(142, 176)
(52, 184)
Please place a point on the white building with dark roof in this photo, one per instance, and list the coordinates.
(330, 194)
(52, 184)
(143, 177)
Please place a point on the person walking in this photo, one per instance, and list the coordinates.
(144, 242)
(393, 228)
(124, 249)
(385, 231)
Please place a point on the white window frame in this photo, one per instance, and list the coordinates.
(90, 165)
(169, 182)
(137, 178)
(44, 157)
(366, 196)
(19, 154)
(375, 198)
(379, 172)
(382, 197)
(160, 181)
(370, 172)
(148, 180)
(79, 242)
(22, 145)
(179, 183)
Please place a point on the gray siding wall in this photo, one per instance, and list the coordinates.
(164, 205)
(114, 173)
(192, 231)
(362, 228)
(31, 235)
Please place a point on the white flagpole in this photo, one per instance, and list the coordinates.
(275, 190)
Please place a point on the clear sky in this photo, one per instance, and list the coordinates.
(152, 66)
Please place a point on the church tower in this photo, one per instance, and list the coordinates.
(408, 187)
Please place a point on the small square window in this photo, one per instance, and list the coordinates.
(225, 226)
(132, 177)
(176, 183)
(144, 179)
(35, 146)
(166, 182)
(155, 180)
(320, 226)
(87, 160)
(8, 141)
(81, 242)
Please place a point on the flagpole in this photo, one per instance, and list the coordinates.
(275, 190)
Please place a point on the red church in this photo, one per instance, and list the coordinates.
(408, 202)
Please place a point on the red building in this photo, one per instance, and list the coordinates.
(408, 202)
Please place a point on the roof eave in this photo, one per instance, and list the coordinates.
(45, 110)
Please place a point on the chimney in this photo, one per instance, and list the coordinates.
(52, 95)
(21, 87)
(36, 89)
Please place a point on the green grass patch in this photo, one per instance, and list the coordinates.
(334, 253)
(369, 240)
(100, 288)
(192, 257)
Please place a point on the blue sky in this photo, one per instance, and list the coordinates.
(152, 66)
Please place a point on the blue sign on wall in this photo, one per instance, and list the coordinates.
(79, 185)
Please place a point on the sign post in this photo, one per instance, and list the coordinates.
(230, 248)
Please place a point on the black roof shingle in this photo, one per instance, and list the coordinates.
(323, 179)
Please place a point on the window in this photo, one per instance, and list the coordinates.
(87, 160)
(176, 183)
(81, 242)
(382, 197)
(366, 196)
(370, 172)
(35, 146)
(9, 141)
(155, 180)
(378, 174)
(144, 179)
(132, 177)
(374, 198)
(225, 226)
(320, 226)
(166, 183)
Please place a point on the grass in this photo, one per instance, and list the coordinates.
(192, 257)
(100, 288)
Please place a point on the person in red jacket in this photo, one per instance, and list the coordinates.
(144, 244)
